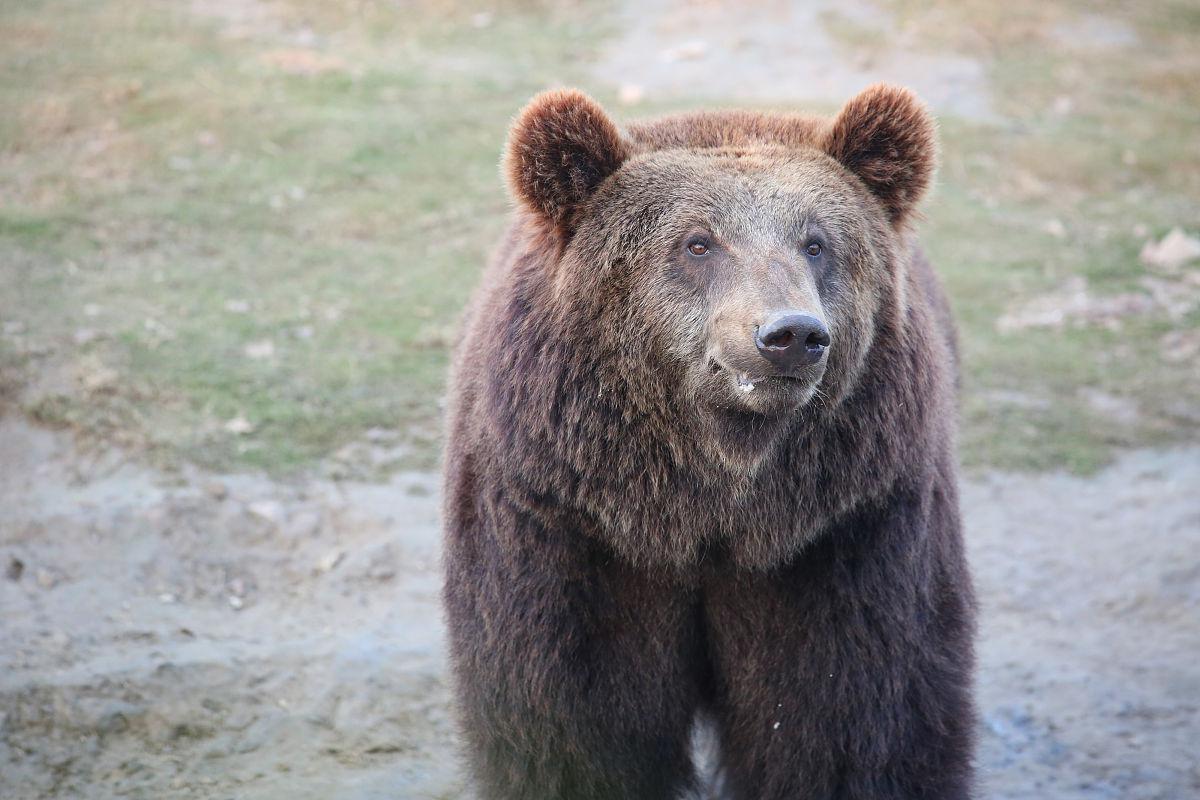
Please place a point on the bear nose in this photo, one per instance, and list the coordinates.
(790, 340)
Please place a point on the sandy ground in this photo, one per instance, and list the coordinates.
(175, 636)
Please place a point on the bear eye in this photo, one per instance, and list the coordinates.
(813, 249)
(697, 247)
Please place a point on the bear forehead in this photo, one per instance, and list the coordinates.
(728, 129)
(759, 174)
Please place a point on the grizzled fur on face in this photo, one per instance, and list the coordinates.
(609, 337)
(657, 505)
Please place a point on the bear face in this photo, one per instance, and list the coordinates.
(740, 262)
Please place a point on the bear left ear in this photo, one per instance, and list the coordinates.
(559, 150)
(886, 137)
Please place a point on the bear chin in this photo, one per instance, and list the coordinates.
(739, 438)
(742, 429)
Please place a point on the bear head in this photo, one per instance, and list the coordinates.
(734, 264)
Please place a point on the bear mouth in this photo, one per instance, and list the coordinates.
(764, 393)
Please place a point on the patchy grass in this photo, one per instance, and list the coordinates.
(1099, 155)
(272, 213)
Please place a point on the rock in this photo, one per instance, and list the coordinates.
(1055, 228)
(99, 379)
(268, 510)
(48, 578)
(1172, 252)
(630, 94)
(260, 349)
(330, 560)
(216, 490)
(239, 425)
(15, 569)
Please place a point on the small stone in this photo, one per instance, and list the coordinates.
(47, 578)
(99, 380)
(260, 349)
(236, 306)
(630, 94)
(269, 510)
(216, 490)
(239, 425)
(330, 560)
(1055, 228)
(15, 569)
(1172, 252)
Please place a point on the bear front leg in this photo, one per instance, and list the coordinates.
(845, 675)
(574, 672)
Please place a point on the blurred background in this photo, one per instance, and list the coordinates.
(234, 239)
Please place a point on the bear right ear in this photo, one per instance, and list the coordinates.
(887, 138)
(559, 150)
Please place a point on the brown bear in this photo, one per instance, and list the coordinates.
(701, 464)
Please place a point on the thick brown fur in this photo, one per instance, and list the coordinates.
(631, 542)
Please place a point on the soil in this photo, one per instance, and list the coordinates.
(194, 635)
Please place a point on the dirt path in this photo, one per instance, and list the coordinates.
(194, 636)
(772, 51)
(201, 636)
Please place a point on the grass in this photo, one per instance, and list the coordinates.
(189, 194)
(274, 214)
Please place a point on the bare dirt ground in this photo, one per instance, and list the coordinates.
(774, 50)
(192, 635)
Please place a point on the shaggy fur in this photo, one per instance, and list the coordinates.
(631, 542)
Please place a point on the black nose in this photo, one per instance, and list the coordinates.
(790, 340)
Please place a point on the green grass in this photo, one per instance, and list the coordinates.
(171, 194)
(164, 173)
